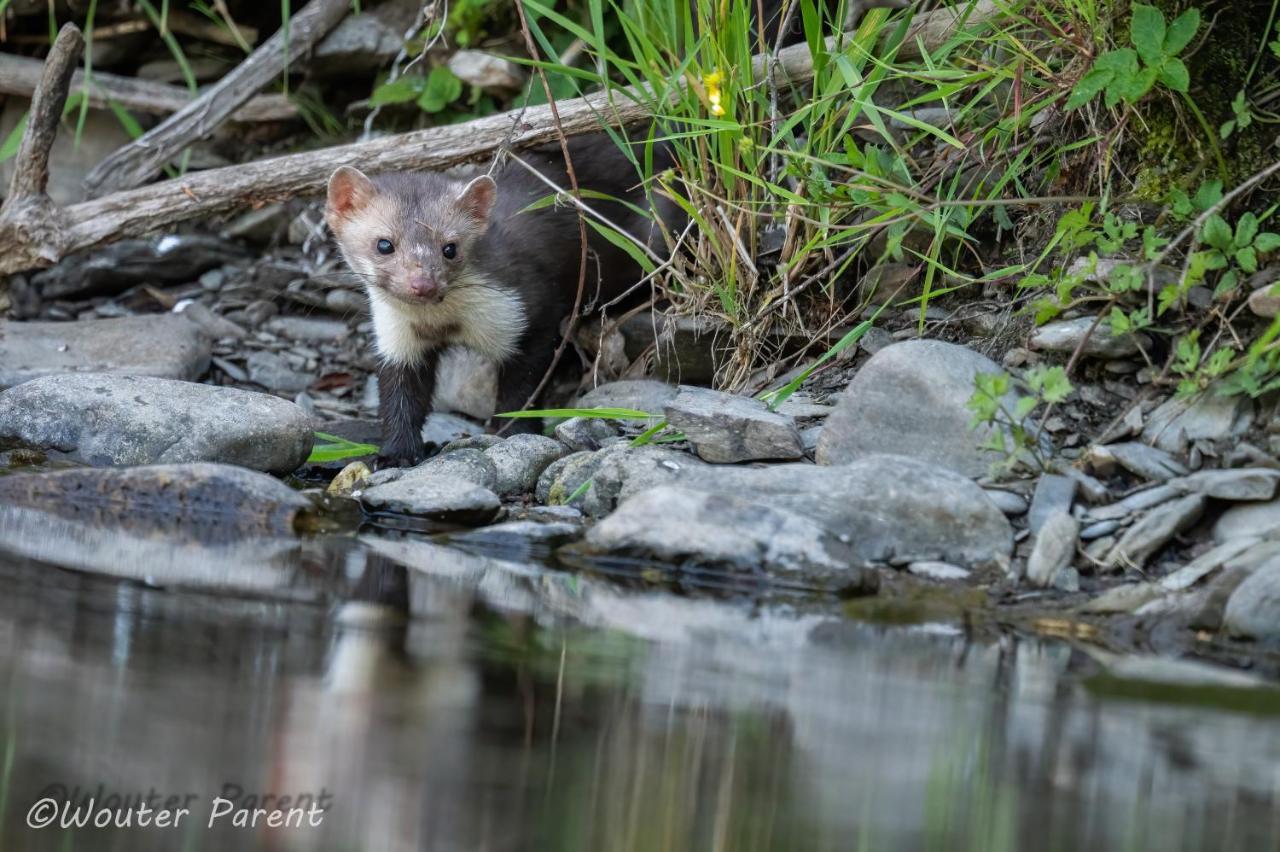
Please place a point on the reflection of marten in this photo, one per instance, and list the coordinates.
(450, 261)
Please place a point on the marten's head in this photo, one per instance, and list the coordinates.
(408, 235)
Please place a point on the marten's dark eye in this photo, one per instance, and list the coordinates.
(385, 247)
(449, 250)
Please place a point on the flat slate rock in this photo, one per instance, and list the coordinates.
(910, 399)
(725, 428)
(167, 346)
(1253, 610)
(109, 420)
(1066, 336)
(645, 395)
(435, 494)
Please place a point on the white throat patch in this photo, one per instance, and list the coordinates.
(479, 316)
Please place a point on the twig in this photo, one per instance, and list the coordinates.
(582, 220)
(143, 158)
(19, 76)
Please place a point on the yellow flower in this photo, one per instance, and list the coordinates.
(712, 84)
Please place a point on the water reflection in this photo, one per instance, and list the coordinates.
(446, 701)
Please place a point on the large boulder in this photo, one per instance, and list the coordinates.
(910, 399)
(165, 345)
(105, 419)
(882, 509)
(1253, 610)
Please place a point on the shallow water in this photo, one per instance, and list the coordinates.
(430, 698)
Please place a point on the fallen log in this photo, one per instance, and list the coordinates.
(143, 158)
(134, 212)
(19, 76)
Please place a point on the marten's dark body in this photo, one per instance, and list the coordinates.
(451, 261)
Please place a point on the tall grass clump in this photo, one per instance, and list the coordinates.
(892, 153)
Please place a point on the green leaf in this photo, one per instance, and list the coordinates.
(1134, 87)
(1089, 87)
(1247, 259)
(1119, 322)
(1054, 385)
(11, 142)
(1246, 230)
(1024, 406)
(1147, 33)
(335, 448)
(1217, 233)
(399, 91)
(1226, 129)
(441, 89)
(1181, 31)
(1209, 194)
(1267, 241)
(1174, 74)
(1168, 296)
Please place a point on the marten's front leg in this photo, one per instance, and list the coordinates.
(404, 401)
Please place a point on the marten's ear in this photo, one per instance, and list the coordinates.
(350, 191)
(476, 199)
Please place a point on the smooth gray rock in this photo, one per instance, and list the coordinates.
(1050, 562)
(436, 495)
(442, 428)
(1179, 420)
(890, 508)
(1240, 484)
(1053, 494)
(106, 419)
(213, 496)
(938, 571)
(678, 524)
(490, 73)
(368, 40)
(1205, 564)
(520, 460)
(911, 399)
(638, 394)
(1065, 336)
(1249, 521)
(1154, 530)
(1253, 610)
(274, 372)
(606, 473)
(309, 329)
(167, 259)
(1008, 502)
(1136, 502)
(169, 346)
(475, 442)
(1149, 463)
(469, 465)
(585, 433)
(724, 428)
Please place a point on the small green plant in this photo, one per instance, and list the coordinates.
(1128, 73)
(1013, 436)
(335, 448)
(1234, 250)
(433, 92)
(1243, 116)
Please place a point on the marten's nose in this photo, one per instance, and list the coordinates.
(422, 285)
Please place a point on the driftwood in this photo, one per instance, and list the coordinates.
(27, 213)
(93, 223)
(144, 157)
(19, 76)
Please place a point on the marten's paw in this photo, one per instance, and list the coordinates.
(400, 457)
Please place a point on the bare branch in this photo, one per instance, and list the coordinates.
(31, 175)
(143, 158)
(20, 75)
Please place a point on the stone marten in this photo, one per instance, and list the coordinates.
(457, 260)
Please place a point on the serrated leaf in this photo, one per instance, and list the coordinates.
(1217, 233)
(1175, 75)
(1181, 31)
(1119, 322)
(1024, 406)
(1147, 32)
